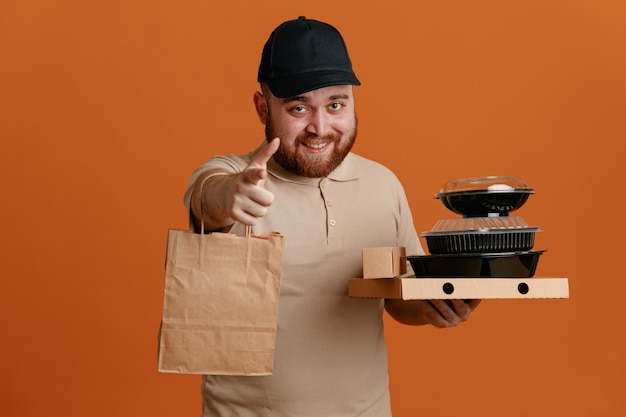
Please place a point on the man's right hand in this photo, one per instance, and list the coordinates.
(245, 199)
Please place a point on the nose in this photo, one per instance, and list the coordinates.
(319, 123)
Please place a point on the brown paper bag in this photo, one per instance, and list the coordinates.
(220, 304)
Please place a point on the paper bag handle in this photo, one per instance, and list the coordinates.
(215, 174)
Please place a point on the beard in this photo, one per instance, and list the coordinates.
(297, 162)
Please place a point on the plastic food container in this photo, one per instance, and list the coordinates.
(480, 235)
(484, 196)
(500, 265)
(480, 242)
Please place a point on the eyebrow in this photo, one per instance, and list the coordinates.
(294, 98)
(305, 99)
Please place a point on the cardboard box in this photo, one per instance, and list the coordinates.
(384, 262)
(458, 288)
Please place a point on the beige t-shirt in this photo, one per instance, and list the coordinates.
(330, 357)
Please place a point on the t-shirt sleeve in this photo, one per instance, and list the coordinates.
(230, 163)
(407, 236)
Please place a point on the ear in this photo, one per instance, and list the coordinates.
(260, 104)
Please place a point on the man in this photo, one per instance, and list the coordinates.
(329, 203)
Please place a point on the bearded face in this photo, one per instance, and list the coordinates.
(316, 131)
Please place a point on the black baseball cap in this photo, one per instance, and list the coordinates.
(303, 55)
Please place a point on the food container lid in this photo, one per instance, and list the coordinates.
(481, 225)
(509, 254)
(485, 184)
(481, 232)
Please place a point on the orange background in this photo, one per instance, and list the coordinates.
(107, 106)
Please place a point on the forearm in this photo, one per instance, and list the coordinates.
(207, 203)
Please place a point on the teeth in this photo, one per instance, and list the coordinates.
(316, 145)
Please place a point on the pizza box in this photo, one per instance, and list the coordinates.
(412, 288)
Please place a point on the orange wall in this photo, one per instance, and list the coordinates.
(106, 107)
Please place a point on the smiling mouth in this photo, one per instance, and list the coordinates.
(316, 145)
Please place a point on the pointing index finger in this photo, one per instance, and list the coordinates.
(266, 152)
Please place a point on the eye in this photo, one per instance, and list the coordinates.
(336, 106)
(299, 109)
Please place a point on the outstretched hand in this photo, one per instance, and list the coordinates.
(246, 199)
(256, 171)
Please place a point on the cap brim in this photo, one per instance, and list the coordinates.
(302, 83)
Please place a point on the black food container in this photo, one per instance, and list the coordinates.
(481, 242)
(490, 265)
(484, 196)
(480, 235)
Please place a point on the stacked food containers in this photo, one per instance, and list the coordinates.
(485, 241)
